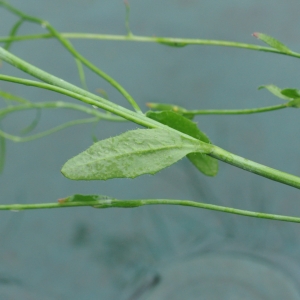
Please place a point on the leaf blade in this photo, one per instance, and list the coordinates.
(131, 154)
(272, 42)
(275, 90)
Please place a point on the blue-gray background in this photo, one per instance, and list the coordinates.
(83, 253)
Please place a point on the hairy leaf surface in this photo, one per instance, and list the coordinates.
(206, 164)
(131, 154)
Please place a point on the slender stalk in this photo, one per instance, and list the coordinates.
(13, 32)
(72, 50)
(60, 104)
(235, 111)
(162, 106)
(148, 39)
(142, 202)
(19, 139)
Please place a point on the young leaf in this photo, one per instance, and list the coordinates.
(172, 44)
(276, 91)
(272, 42)
(101, 201)
(291, 93)
(206, 164)
(131, 154)
(84, 198)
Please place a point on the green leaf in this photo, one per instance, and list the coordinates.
(276, 91)
(291, 93)
(272, 42)
(101, 201)
(131, 154)
(84, 198)
(172, 44)
(204, 163)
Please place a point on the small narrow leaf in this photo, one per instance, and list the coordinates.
(276, 91)
(272, 42)
(172, 44)
(206, 164)
(12, 97)
(100, 201)
(291, 93)
(84, 198)
(131, 154)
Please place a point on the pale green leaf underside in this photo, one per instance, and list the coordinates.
(131, 154)
(275, 90)
(272, 42)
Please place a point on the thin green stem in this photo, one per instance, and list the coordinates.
(235, 111)
(13, 32)
(60, 104)
(141, 202)
(161, 106)
(147, 39)
(19, 139)
(76, 54)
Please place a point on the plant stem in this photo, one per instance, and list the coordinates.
(72, 50)
(141, 202)
(61, 104)
(235, 111)
(185, 112)
(147, 39)
(254, 167)
(19, 139)
(68, 89)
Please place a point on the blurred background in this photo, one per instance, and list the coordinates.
(156, 252)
